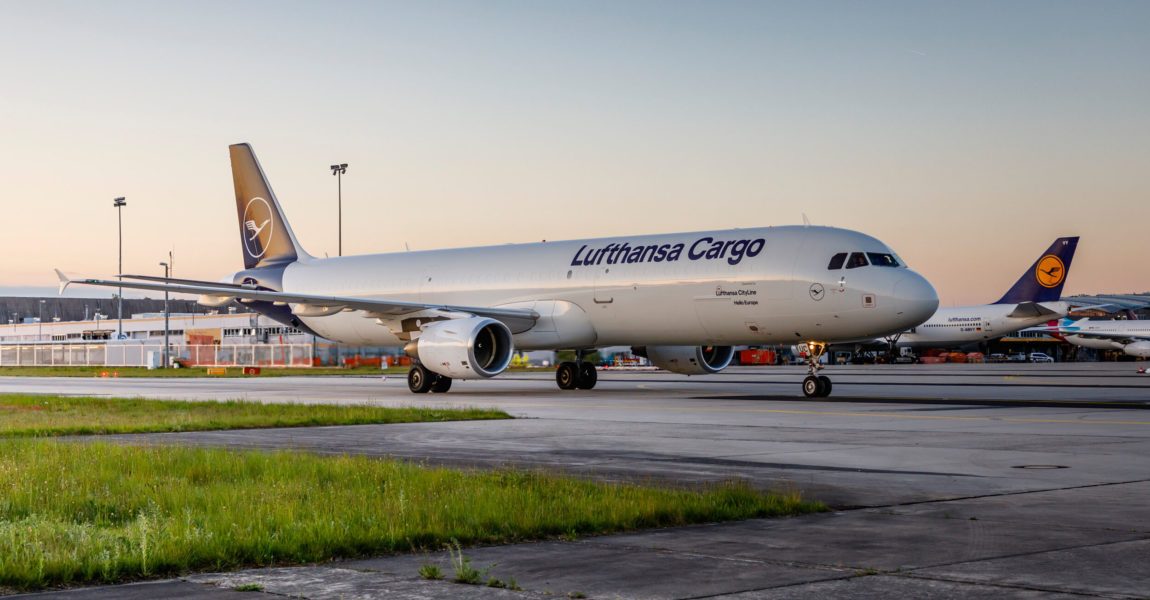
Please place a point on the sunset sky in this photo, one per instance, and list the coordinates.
(966, 135)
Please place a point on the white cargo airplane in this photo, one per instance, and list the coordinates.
(1131, 337)
(1033, 299)
(682, 299)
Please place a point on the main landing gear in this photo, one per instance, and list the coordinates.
(421, 380)
(816, 386)
(576, 375)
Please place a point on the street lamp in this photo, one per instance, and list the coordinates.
(338, 171)
(120, 203)
(40, 320)
(167, 358)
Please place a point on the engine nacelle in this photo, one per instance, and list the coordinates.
(1139, 349)
(688, 360)
(472, 348)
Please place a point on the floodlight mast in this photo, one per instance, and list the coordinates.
(167, 348)
(120, 203)
(338, 171)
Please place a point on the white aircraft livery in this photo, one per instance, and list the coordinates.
(1033, 299)
(1131, 337)
(683, 300)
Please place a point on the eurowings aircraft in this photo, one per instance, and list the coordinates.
(1131, 337)
(684, 300)
(1033, 299)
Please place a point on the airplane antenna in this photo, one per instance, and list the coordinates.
(806, 221)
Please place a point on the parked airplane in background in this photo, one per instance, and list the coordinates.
(1131, 337)
(681, 299)
(1033, 299)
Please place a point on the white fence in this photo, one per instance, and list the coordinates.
(136, 355)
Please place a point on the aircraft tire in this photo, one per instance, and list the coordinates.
(588, 376)
(567, 375)
(812, 387)
(826, 384)
(440, 384)
(419, 379)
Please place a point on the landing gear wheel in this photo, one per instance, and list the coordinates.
(567, 375)
(441, 384)
(419, 379)
(812, 387)
(826, 383)
(587, 376)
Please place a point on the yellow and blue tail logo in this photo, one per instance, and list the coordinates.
(1043, 281)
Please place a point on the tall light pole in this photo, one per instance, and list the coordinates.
(167, 358)
(120, 203)
(338, 171)
(40, 320)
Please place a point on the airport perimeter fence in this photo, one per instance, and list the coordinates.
(138, 355)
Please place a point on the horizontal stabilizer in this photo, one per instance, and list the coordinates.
(1026, 310)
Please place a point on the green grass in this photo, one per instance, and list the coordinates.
(31, 415)
(99, 513)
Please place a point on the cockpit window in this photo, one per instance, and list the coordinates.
(882, 260)
(837, 261)
(857, 259)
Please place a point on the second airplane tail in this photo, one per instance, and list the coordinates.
(265, 236)
(1043, 281)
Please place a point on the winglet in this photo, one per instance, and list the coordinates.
(64, 281)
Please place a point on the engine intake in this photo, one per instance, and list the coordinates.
(472, 348)
(688, 360)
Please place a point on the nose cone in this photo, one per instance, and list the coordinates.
(914, 299)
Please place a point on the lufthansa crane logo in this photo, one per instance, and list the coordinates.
(258, 227)
(1050, 271)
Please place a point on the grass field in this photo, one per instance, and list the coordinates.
(30, 415)
(90, 513)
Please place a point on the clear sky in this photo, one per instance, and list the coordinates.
(967, 135)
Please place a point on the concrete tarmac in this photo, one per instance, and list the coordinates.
(1015, 481)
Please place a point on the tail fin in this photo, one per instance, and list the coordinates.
(265, 235)
(1043, 281)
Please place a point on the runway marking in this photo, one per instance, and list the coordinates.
(817, 412)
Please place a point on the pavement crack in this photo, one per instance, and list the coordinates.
(995, 495)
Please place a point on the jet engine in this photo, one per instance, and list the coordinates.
(472, 348)
(688, 360)
(1139, 349)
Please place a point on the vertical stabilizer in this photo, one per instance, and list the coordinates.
(265, 236)
(1043, 281)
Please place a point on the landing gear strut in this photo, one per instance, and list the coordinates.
(421, 380)
(816, 386)
(579, 374)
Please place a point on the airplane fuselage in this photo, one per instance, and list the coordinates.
(956, 326)
(743, 286)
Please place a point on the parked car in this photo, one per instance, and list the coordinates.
(1016, 357)
(996, 357)
(1040, 357)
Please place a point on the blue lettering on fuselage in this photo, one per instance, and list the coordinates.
(707, 248)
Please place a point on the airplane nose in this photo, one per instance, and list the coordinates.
(914, 299)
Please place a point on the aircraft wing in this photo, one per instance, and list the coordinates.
(310, 304)
(1026, 310)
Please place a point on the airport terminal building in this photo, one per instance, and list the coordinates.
(85, 331)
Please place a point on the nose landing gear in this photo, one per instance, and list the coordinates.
(815, 385)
